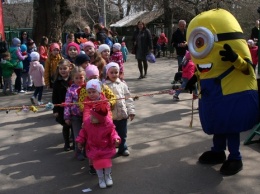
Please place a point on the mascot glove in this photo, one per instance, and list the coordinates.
(228, 54)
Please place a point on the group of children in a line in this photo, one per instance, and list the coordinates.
(90, 82)
(97, 106)
(100, 123)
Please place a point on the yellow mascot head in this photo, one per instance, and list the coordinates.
(206, 35)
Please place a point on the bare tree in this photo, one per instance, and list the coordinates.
(18, 14)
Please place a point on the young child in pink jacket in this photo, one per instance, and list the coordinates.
(188, 70)
(36, 70)
(99, 134)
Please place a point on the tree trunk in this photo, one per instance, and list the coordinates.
(48, 19)
(168, 18)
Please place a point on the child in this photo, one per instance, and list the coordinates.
(92, 72)
(51, 64)
(27, 81)
(72, 51)
(99, 135)
(104, 50)
(123, 109)
(188, 70)
(117, 57)
(254, 52)
(17, 58)
(69, 38)
(7, 71)
(124, 51)
(101, 65)
(161, 44)
(60, 86)
(72, 114)
(82, 60)
(89, 49)
(43, 50)
(36, 70)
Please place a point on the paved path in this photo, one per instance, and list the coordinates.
(164, 150)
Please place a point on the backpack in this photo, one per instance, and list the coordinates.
(3, 47)
(109, 42)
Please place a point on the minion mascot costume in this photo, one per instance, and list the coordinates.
(228, 101)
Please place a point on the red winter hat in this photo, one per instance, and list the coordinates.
(72, 44)
(100, 111)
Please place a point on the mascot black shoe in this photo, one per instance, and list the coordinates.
(211, 157)
(231, 167)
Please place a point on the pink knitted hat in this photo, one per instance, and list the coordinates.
(187, 55)
(54, 46)
(91, 70)
(88, 43)
(72, 44)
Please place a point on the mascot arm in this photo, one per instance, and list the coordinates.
(229, 55)
(190, 84)
(241, 64)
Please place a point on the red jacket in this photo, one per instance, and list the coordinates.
(254, 54)
(162, 39)
(43, 51)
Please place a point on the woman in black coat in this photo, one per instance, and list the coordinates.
(142, 41)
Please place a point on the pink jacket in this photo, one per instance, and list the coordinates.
(254, 54)
(99, 139)
(117, 57)
(36, 70)
(188, 70)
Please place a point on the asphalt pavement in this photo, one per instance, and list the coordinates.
(164, 148)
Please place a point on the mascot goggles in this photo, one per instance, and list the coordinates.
(201, 41)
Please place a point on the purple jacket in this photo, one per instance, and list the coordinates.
(72, 97)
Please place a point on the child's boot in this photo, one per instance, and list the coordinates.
(101, 182)
(108, 179)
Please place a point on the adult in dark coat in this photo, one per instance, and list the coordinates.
(142, 41)
(179, 42)
(255, 31)
(88, 34)
(100, 34)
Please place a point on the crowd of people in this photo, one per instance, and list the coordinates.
(89, 74)
(88, 77)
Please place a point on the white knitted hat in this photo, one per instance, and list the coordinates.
(111, 64)
(35, 56)
(117, 46)
(94, 84)
(103, 47)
